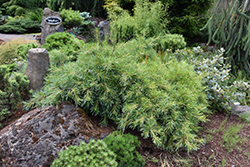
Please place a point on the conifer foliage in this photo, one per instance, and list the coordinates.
(131, 86)
(13, 89)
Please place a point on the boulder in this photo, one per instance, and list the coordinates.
(241, 111)
(51, 23)
(37, 68)
(38, 136)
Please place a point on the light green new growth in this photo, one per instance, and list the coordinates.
(93, 154)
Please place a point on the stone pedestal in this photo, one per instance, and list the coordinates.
(51, 23)
(104, 29)
(37, 68)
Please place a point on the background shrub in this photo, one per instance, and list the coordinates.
(124, 146)
(149, 19)
(36, 15)
(95, 153)
(71, 18)
(86, 27)
(131, 86)
(20, 26)
(93, 6)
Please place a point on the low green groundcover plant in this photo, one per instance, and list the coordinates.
(93, 154)
(130, 85)
(124, 146)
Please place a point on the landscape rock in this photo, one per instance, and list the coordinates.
(37, 68)
(48, 29)
(241, 111)
(38, 136)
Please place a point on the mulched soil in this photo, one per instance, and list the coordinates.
(210, 154)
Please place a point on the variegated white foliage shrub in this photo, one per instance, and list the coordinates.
(220, 92)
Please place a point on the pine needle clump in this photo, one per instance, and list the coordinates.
(13, 89)
(130, 85)
(124, 146)
(93, 154)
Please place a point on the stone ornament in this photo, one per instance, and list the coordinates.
(37, 68)
(51, 23)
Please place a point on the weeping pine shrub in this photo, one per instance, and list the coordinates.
(130, 85)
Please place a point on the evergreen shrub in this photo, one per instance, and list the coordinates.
(13, 89)
(187, 17)
(170, 41)
(86, 27)
(124, 146)
(20, 26)
(71, 18)
(66, 42)
(35, 15)
(149, 19)
(93, 154)
(130, 85)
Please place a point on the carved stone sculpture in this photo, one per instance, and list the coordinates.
(51, 23)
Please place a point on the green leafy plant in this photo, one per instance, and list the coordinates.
(95, 153)
(71, 18)
(20, 26)
(13, 89)
(124, 146)
(130, 85)
(220, 90)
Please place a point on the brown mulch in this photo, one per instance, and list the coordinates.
(210, 154)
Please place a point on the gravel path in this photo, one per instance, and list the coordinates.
(8, 37)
